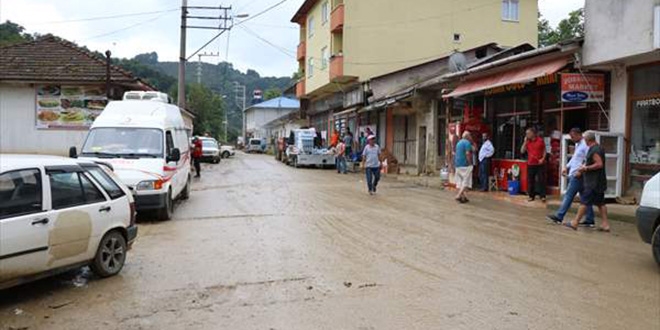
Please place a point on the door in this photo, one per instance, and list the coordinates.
(24, 225)
(79, 206)
(613, 145)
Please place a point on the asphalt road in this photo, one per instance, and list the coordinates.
(263, 246)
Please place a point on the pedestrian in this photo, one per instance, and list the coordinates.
(535, 149)
(463, 163)
(340, 151)
(370, 157)
(197, 155)
(595, 183)
(574, 179)
(348, 143)
(334, 138)
(485, 154)
(362, 141)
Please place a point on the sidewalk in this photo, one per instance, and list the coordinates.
(616, 212)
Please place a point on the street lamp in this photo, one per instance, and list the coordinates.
(242, 16)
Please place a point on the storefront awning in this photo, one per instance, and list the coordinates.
(345, 112)
(515, 76)
(388, 101)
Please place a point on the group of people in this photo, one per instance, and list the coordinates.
(585, 173)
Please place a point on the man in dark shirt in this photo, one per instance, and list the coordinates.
(535, 149)
(594, 183)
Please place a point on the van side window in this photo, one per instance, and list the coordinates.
(169, 142)
(20, 193)
(71, 189)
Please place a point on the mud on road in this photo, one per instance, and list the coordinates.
(263, 246)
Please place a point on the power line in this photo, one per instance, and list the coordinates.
(97, 18)
(124, 28)
(283, 50)
(261, 13)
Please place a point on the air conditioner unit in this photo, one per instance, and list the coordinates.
(141, 95)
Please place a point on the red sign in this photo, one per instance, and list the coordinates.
(578, 87)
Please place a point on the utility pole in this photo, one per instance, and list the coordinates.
(224, 24)
(239, 94)
(199, 64)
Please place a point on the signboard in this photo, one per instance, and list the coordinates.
(577, 87)
(68, 107)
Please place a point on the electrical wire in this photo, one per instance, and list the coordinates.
(260, 13)
(283, 50)
(124, 28)
(98, 18)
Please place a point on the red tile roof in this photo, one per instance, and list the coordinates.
(51, 59)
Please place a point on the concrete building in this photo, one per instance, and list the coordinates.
(623, 37)
(258, 115)
(50, 92)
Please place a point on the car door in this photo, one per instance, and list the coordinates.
(79, 204)
(119, 214)
(24, 224)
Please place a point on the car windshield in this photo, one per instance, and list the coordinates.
(255, 142)
(209, 144)
(124, 142)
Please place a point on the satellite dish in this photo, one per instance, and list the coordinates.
(457, 62)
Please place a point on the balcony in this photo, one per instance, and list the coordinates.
(300, 88)
(336, 67)
(337, 19)
(302, 51)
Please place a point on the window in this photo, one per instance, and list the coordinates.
(310, 67)
(510, 10)
(20, 193)
(72, 189)
(457, 37)
(310, 27)
(124, 142)
(325, 13)
(169, 142)
(325, 57)
(108, 184)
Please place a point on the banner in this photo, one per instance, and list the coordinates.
(68, 107)
(577, 87)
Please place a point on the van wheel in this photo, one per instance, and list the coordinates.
(186, 190)
(111, 255)
(166, 212)
(655, 244)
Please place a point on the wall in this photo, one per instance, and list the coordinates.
(382, 36)
(18, 133)
(256, 118)
(320, 39)
(616, 29)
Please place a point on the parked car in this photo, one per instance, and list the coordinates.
(146, 140)
(227, 151)
(648, 215)
(256, 145)
(57, 214)
(210, 150)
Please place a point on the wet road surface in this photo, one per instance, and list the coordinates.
(263, 246)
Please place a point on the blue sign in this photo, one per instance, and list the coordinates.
(574, 96)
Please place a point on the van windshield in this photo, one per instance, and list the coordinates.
(113, 142)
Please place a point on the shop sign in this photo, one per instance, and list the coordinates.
(68, 107)
(577, 87)
(654, 102)
(547, 79)
(504, 89)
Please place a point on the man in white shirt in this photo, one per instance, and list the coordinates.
(574, 180)
(485, 154)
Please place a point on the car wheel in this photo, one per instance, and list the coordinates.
(216, 160)
(166, 212)
(225, 154)
(655, 244)
(111, 255)
(186, 190)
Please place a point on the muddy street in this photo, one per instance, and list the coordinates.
(263, 246)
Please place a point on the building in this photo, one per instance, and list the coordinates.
(623, 38)
(345, 45)
(258, 115)
(50, 92)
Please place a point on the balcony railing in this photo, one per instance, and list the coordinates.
(336, 67)
(300, 88)
(302, 51)
(337, 18)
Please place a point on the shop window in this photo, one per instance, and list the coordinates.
(646, 81)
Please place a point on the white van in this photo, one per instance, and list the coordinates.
(144, 138)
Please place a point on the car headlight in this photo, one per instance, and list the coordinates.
(149, 185)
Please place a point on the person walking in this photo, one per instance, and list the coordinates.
(574, 179)
(197, 155)
(485, 154)
(595, 183)
(340, 151)
(535, 149)
(463, 163)
(348, 143)
(370, 157)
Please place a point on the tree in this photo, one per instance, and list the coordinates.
(209, 111)
(272, 93)
(568, 28)
(11, 33)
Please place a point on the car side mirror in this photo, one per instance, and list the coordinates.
(175, 155)
(73, 152)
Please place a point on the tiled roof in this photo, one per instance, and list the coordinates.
(51, 59)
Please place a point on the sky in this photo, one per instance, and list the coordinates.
(266, 43)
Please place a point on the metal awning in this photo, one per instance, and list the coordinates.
(388, 101)
(514, 76)
(345, 112)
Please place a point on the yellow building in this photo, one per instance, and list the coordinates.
(347, 41)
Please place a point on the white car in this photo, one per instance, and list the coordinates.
(210, 150)
(227, 151)
(59, 213)
(648, 215)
